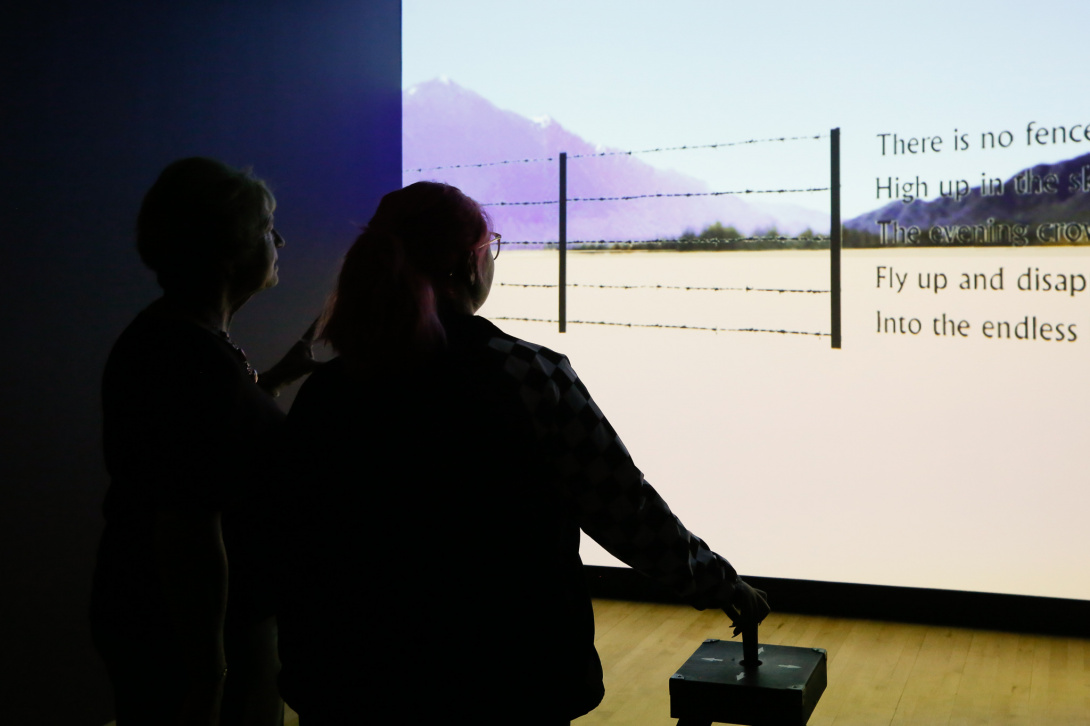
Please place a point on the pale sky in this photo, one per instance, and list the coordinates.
(636, 75)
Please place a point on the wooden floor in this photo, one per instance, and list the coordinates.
(879, 673)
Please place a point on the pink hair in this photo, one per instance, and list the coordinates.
(422, 240)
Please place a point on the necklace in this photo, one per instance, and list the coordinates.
(250, 371)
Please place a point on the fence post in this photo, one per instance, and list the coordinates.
(834, 235)
(562, 241)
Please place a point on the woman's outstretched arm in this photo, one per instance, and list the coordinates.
(612, 501)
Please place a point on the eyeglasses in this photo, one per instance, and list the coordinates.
(493, 244)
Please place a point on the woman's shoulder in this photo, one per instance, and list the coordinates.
(510, 346)
(524, 360)
(476, 331)
(330, 385)
(156, 351)
(152, 332)
(332, 374)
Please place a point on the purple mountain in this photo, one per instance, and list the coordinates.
(447, 125)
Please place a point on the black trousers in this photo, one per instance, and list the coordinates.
(149, 681)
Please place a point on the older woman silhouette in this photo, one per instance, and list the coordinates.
(441, 472)
(188, 430)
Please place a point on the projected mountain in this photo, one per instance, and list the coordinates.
(1016, 203)
(445, 124)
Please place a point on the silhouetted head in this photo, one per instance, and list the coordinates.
(204, 224)
(424, 252)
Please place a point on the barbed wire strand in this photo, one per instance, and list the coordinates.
(663, 325)
(662, 287)
(691, 147)
(699, 146)
(680, 242)
(478, 166)
(658, 195)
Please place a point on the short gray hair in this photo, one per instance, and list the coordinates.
(197, 213)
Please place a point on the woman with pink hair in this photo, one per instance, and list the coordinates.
(440, 472)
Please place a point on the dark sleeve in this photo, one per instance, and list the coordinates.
(172, 424)
(612, 501)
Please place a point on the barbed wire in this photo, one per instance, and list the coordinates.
(616, 153)
(699, 146)
(694, 242)
(697, 288)
(657, 195)
(478, 166)
(663, 325)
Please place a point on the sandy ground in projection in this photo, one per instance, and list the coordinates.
(947, 461)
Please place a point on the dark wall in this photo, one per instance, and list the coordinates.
(95, 99)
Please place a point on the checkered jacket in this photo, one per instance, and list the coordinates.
(612, 501)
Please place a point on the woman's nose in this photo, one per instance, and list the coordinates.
(278, 240)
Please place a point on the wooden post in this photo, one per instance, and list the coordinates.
(834, 235)
(562, 241)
